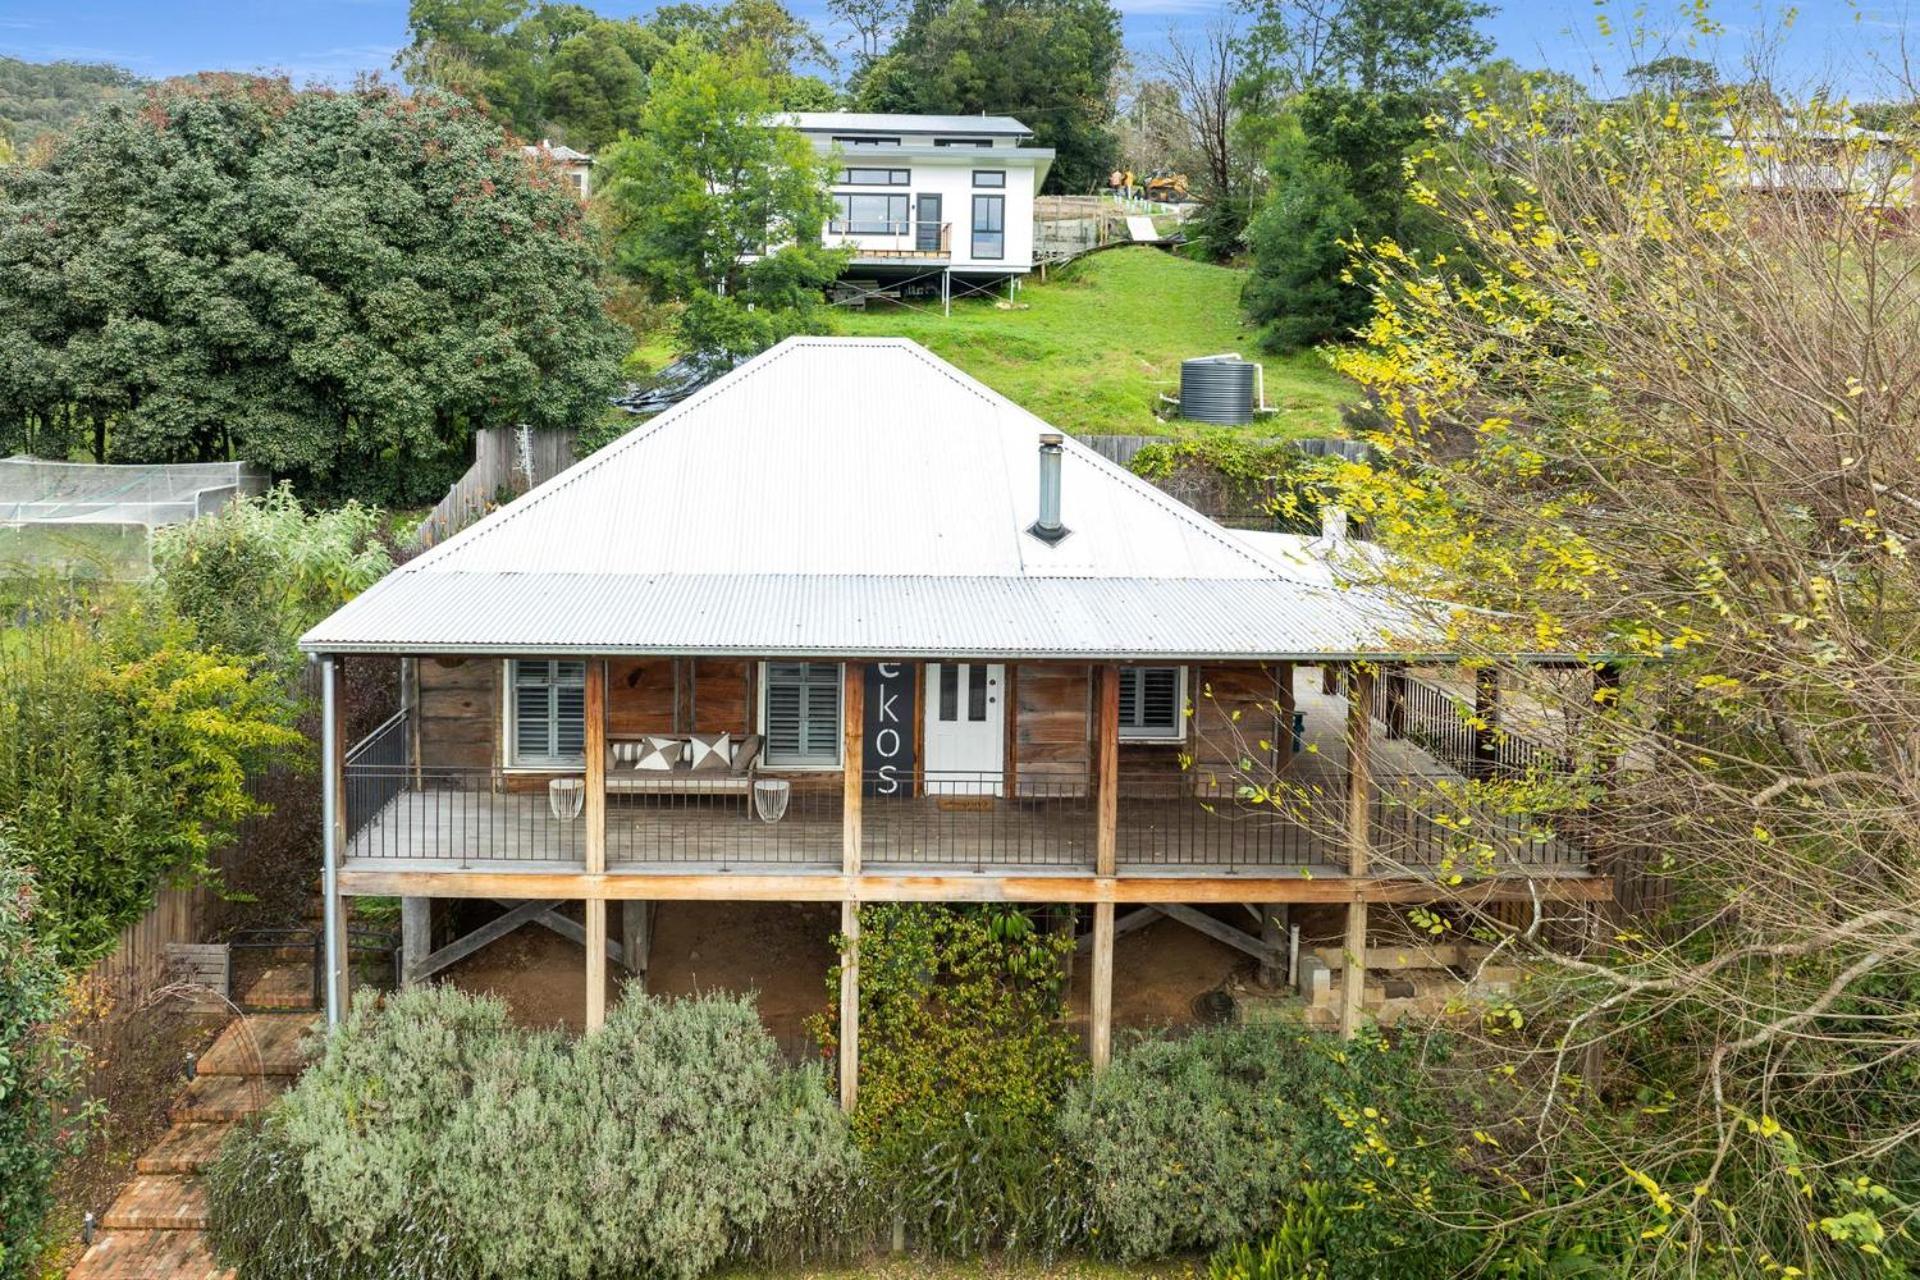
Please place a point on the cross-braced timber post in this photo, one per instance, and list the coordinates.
(1359, 837)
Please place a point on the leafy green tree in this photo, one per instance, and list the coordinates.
(1049, 63)
(38, 1067)
(340, 286)
(547, 70)
(124, 756)
(1365, 75)
(42, 98)
(1675, 77)
(718, 211)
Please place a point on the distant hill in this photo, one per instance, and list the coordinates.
(48, 97)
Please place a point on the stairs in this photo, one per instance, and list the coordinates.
(156, 1229)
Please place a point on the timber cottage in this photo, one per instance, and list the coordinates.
(847, 626)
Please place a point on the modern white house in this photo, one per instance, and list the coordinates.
(576, 165)
(938, 199)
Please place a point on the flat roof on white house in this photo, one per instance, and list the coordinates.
(855, 497)
(881, 122)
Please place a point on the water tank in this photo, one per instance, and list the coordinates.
(1217, 389)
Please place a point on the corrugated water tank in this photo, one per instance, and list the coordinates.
(1217, 389)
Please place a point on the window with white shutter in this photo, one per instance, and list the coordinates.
(800, 714)
(547, 713)
(1153, 703)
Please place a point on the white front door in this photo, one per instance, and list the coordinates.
(966, 728)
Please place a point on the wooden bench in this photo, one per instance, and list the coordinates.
(683, 779)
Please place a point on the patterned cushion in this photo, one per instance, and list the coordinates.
(660, 754)
(628, 753)
(710, 751)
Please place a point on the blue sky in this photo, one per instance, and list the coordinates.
(1852, 45)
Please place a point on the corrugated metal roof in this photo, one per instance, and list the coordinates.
(880, 122)
(854, 496)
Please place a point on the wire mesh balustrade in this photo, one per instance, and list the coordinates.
(463, 816)
(721, 825)
(977, 820)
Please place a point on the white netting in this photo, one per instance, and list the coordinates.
(79, 518)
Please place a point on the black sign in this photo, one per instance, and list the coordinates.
(887, 729)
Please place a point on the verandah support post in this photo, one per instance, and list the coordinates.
(1288, 704)
(1100, 1001)
(853, 710)
(416, 937)
(1396, 702)
(1359, 838)
(1486, 728)
(333, 809)
(1105, 861)
(596, 851)
(636, 938)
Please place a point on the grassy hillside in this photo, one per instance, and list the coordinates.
(1090, 350)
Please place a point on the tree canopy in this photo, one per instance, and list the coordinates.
(563, 71)
(716, 210)
(41, 98)
(339, 286)
(1048, 63)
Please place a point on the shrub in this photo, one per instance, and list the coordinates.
(37, 1068)
(1294, 1250)
(1204, 1142)
(434, 1140)
(263, 570)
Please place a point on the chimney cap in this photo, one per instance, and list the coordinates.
(1051, 439)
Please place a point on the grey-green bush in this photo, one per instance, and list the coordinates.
(433, 1140)
(1203, 1142)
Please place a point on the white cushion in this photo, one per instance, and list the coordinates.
(710, 750)
(660, 754)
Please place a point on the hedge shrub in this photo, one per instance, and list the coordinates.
(1212, 1140)
(435, 1141)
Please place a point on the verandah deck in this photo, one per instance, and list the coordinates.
(478, 829)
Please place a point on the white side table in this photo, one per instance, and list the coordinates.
(770, 796)
(566, 797)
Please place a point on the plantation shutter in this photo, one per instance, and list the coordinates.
(1150, 702)
(803, 713)
(549, 712)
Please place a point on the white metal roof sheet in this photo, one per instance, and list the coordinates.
(891, 123)
(854, 496)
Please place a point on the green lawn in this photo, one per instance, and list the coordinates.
(1090, 350)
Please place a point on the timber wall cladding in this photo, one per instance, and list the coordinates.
(1053, 748)
(679, 695)
(1218, 693)
(459, 712)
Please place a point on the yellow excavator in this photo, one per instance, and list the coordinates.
(1170, 188)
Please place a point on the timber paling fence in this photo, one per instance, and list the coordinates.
(507, 461)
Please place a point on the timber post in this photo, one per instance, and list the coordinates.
(333, 810)
(1105, 863)
(416, 937)
(1359, 839)
(636, 938)
(1396, 702)
(1288, 703)
(1486, 727)
(596, 850)
(853, 712)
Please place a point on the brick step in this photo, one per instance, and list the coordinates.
(212, 1099)
(159, 1202)
(149, 1255)
(185, 1148)
(281, 987)
(260, 1044)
